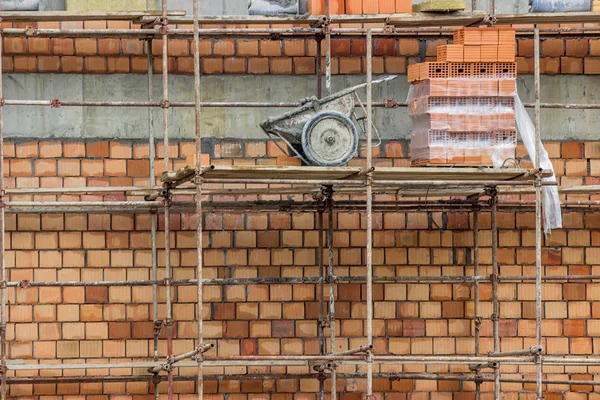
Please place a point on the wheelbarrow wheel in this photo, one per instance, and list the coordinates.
(329, 139)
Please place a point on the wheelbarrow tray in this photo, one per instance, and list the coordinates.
(289, 125)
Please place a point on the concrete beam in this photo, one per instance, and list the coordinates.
(132, 123)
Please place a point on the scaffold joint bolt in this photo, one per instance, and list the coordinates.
(3, 369)
(165, 104)
(167, 281)
(31, 30)
(168, 322)
(55, 103)
(24, 284)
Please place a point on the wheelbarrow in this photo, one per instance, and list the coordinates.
(324, 131)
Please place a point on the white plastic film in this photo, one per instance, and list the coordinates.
(550, 198)
(463, 121)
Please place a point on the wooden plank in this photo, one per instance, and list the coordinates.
(243, 19)
(340, 173)
(467, 18)
(439, 6)
(42, 16)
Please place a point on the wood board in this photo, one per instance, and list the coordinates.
(356, 173)
(439, 6)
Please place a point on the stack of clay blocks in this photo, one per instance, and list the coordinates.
(463, 105)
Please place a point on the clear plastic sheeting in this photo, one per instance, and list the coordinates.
(550, 197)
(463, 121)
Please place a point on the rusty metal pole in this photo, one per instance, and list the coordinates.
(495, 280)
(167, 198)
(331, 280)
(157, 325)
(538, 219)
(318, 70)
(478, 319)
(327, 28)
(322, 311)
(199, 239)
(2, 244)
(369, 214)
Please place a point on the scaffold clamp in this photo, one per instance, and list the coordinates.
(24, 284)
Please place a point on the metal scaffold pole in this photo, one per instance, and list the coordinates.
(153, 217)
(328, 47)
(167, 196)
(477, 318)
(495, 280)
(2, 232)
(331, 280)
(369, 255)
(199, 239)
(538, 220)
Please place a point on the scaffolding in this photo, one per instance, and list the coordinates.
(481, 189)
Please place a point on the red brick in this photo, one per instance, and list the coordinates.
(96, 65)
(409, 47)
(340, 47)
(294, 48)
(270, 48)
(185, 65)
(63, 46)
(48, 64)
(158, 65)
(350, 66)
(395, 65)
(550, 66)
(178, 48)
(109, 46)
(574, 327)
(85, 47)
(525, 47)
(553, 47)
(15, 45)
(235, 65)
(247, 48)
(281, 66)
(7, 64)
(97, 150)
(577, 47)
(572, 150)
(133, 46)
(414, 327)
(224, 47)
(258, 66)
(117, 65)
(72, 64)
(571, 65)
(212, 66)
(38, 45)
(139, 65)
(591, 66)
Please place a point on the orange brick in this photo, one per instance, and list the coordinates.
(85, 47)
(139, 65)
(178, 48)
(387, 6)
(71, 64)
(63, 46)
(247, 48)
(95, 65)
(212, 66)
(132, 46)
(258, 66)
(553, 47)
(39, 45)
(15, 45)
(25, 64)
(224, 48)
(117, 65)
(281, 66)
(354, 7)
(571, 65)
(48, 64)
(235, 65)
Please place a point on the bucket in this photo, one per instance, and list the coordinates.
(561, 5)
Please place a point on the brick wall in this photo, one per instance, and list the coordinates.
(568, 55)
(99, 324)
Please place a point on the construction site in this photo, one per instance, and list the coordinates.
(354, 199)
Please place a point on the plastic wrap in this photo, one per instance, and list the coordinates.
(463, 121)
(550, 198)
